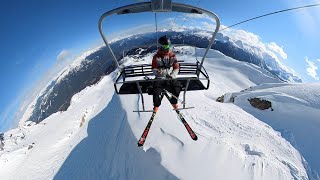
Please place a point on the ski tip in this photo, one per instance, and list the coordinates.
(139, 145)
(195, 138)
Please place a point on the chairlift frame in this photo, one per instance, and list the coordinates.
(144, 70)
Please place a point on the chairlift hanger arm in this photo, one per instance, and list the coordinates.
(147, 7)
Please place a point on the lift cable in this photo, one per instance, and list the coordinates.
(276, 12)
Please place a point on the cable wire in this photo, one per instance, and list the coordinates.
(155, 19)
(276, 12)
(188, 16)
(175, 18)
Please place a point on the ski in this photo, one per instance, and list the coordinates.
(146, 131)
(182, 119)
(186, 125)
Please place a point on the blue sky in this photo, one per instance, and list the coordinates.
(35, 35)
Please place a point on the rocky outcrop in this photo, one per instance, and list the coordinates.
(220, 99)
(260, 103)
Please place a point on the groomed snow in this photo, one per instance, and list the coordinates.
(96, 137)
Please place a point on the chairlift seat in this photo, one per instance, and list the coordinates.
(189, 81)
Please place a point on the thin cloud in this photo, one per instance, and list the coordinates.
(200, 16)
(312, 69)
(144, 28)
(191, 21)
(20, 61)
(63, 55)
(307, 19)
(277, 49)
(209, 26)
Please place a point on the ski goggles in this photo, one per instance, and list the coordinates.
(165, 47)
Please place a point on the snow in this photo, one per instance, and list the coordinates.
(296, 110)
(96, 137)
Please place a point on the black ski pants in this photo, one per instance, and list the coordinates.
(172, 86)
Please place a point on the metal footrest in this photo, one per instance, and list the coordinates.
(184, 108)
(144, 111)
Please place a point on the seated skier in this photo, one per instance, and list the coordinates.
(165, 66)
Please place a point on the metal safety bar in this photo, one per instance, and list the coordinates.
(149, 7)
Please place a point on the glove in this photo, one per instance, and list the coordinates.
(157, 72)
(174, 73)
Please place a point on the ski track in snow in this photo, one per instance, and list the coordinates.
(96, 137)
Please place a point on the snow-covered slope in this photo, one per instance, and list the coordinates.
(96, 137)
(296, 111)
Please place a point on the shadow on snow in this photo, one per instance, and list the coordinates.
(110, 151)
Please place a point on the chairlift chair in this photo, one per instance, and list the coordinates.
(134, 79)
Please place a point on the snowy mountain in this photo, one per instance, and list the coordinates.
(95, 138)
(89, 67)
(86, 70)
